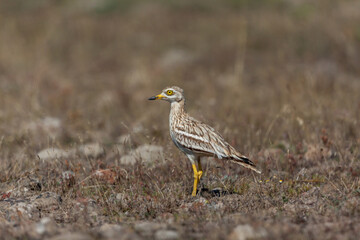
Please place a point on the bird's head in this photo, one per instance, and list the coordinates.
(170, 94)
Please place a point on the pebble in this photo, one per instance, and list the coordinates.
(244, 232)
(92, 150)
(166, 235)
(147, 229)
(146, 153)
(52, 153)
(72, 236)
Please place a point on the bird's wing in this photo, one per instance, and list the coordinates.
(201, 138)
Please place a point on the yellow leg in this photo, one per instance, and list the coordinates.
(196, 179)
(200, 172)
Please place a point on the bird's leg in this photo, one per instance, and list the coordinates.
(200, 172)
(196, 179)
(197, 174)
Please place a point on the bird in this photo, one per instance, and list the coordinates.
(195, 138)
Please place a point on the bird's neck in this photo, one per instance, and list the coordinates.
(177, 110)
(177, 107)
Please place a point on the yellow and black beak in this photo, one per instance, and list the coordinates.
(160, 96)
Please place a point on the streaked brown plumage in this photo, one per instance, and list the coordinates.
(195, 138)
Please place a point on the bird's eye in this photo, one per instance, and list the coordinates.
(169, 92)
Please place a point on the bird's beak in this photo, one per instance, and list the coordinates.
(157, 97)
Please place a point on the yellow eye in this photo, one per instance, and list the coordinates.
(169, 92)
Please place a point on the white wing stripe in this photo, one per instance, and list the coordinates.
(191, 135)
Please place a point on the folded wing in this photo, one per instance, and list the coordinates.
(202, 139)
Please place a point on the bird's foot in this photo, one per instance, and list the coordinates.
(200, 173)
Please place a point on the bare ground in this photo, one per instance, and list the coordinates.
(84, 155)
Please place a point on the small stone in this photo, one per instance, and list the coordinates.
(166, 235)
(111, 230)
(45, 226)
(147, 229)
(128, 160)
(93, 150)
(72, 236)
(115, 231)
(52, 153)
(40, 227)
(243, 232)
(147, 154)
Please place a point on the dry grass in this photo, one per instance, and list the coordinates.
(279, 79)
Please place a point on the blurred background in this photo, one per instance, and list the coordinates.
(81, 146)
(261, 72)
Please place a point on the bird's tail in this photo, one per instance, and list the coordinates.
(245, 162)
